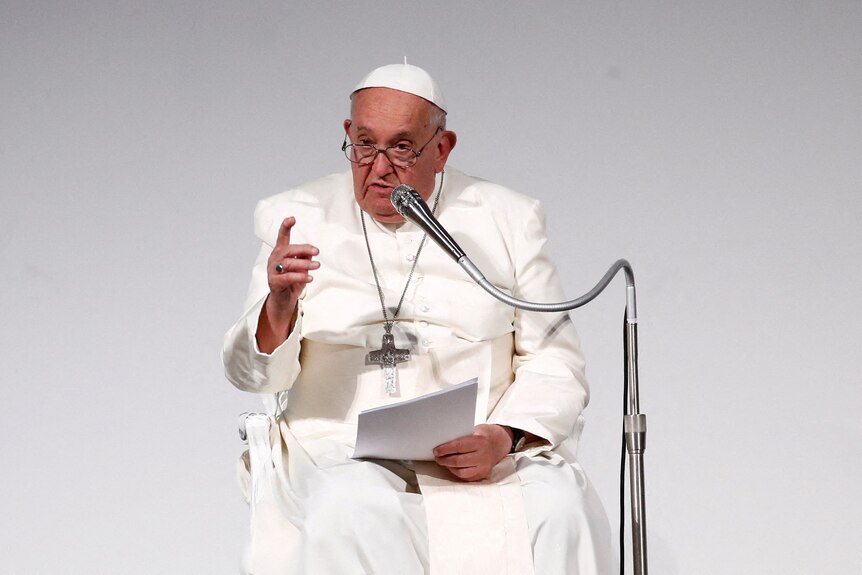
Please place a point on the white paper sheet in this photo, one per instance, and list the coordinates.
(411, 429)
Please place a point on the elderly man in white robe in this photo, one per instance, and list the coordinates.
(339, 268)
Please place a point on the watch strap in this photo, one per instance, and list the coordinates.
(518, 439)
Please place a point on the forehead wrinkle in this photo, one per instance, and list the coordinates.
(377, 110)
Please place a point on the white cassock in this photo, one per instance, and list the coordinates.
(327, 513)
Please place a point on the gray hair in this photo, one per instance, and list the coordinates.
(437, 117)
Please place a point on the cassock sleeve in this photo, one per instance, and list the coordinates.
(550, 389)
(245, 365)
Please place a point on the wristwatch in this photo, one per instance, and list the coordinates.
(518, 439)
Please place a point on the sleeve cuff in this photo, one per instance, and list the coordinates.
(248, 368)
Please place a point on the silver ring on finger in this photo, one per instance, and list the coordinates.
(279, 268)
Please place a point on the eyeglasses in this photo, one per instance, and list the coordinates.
(399, 155)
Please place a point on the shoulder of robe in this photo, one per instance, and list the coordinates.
(308, 203)
(502, 204)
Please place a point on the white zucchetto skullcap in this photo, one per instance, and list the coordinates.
(405, 78)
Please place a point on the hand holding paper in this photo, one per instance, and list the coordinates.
(471, 458)
(411, 429)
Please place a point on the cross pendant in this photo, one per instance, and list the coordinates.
(387, 356)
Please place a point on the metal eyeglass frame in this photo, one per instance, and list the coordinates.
(384, 151)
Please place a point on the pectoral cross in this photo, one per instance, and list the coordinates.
(387, 356)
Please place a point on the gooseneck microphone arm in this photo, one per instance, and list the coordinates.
(410, 204)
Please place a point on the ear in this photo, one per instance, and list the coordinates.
(347, 123)
(444, 148)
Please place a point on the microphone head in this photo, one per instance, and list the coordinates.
(402, 197)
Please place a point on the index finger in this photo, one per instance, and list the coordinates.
(283, 239)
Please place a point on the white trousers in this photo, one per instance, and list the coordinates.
(368, 517)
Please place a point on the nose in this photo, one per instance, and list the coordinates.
(381, 164)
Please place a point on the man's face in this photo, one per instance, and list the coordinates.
(384, 118)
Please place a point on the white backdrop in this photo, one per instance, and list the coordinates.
(714, 144)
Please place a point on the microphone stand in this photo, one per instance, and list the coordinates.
(634, 422)
(410, 204)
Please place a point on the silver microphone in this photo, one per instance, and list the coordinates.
(410, 204)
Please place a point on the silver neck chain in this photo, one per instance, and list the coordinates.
(388, 323)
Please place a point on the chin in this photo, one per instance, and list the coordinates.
(382, 211)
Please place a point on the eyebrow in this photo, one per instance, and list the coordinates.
(403, 135)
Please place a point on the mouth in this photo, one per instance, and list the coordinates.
(381, 188)
(381, 192)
